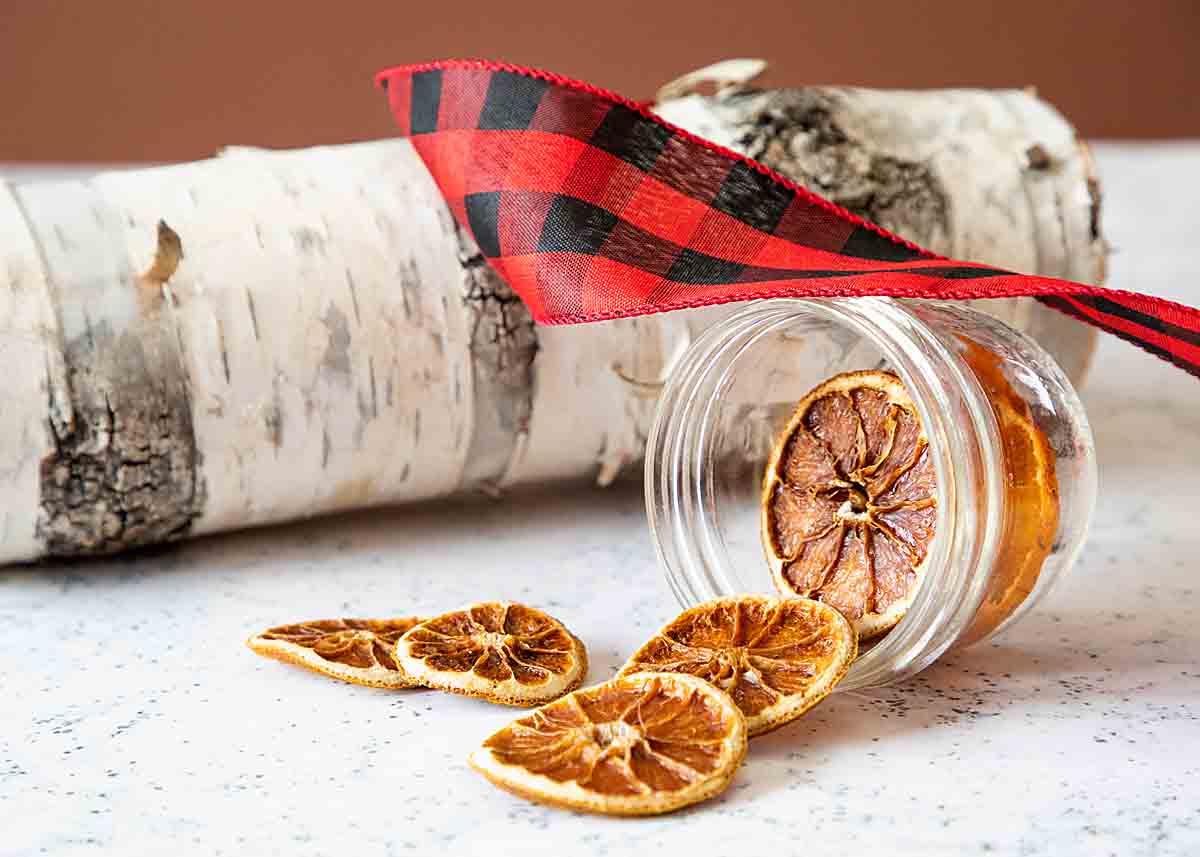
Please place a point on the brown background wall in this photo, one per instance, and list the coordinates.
(123, 80)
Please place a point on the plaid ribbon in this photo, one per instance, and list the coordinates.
(593, 208)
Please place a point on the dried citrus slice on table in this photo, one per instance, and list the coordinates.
(360, 651)
(500, 651)
(849, 502)
(636, 745)
(777, 657)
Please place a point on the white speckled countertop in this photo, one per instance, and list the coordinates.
(134, 721)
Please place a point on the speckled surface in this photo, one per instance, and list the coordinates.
(134, 721)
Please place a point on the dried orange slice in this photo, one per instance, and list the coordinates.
(502, 652)
(1032, 486)
(849, 505)
(777, 657)
(360, 651)
(638, 745)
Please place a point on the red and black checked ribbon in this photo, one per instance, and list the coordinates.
(593, 208)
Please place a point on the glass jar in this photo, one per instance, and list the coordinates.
(735, 388)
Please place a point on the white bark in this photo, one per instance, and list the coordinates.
(343, 345)
(331, 340)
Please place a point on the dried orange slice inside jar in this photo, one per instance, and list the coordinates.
(1031, 484)
(849, 500)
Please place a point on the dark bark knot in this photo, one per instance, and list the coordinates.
(124, 468)
(796, 132)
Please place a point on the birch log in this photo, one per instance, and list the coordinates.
(308, 331)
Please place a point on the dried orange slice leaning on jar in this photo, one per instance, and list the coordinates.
(849, 502)
(777, 657)
(636, 745)
(500, 651)
(360, 651)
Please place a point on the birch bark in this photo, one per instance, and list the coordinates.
(311, 331)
